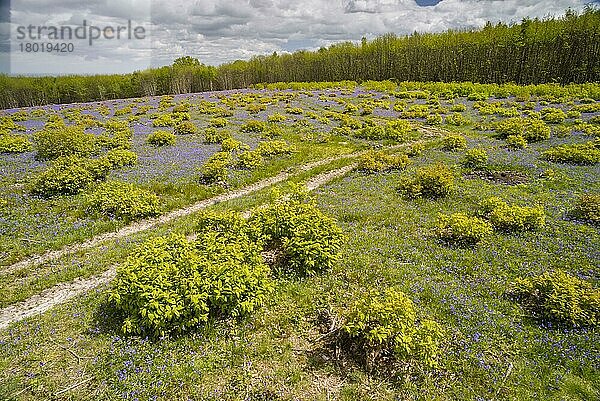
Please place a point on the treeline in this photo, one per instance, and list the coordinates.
(561, 50)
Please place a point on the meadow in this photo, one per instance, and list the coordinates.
(451, 253)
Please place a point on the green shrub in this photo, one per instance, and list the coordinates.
(254, 126)
(457, 119)
(434, 181)
(386, 322)
(215, 170)
(454, 142)
(416, 149)
(163, 120)
(475, 159)
(185, 128)
(65, 141)
(532, 129)
(249, 160)
(69, 175)
(396, 130)
(181, 107)
(558, 297)
(122, 201)
(276, 118)
(553, 115)
(587, 208)
(120, 158)
(516, 218)
(416, 111)
(459, 108)
(161, 138)
(305, 240)
(11, 143)
(274, 148)
(271, 131)
(218, 122)
(434, 119)
(170, 285)
(374, 162)
(462, 230)
(231, 145)
(516, 141)
(213, 135)
(578, 153)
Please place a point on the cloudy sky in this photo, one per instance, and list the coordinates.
(218, 31)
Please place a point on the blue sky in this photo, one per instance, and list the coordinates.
(218, 31)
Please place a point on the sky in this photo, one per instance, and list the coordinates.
(219, 31)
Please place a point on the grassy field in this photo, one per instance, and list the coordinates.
(493, 348)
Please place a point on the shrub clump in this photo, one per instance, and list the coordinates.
(185, 128)
(512, 218)
(303, 239)
(462, 230)
(213, 135)
(434, 181)
(120, 158)
(123, 201)
(558, 297)
(475, 159)
(52, 143)
(516, 142)
(249, 160)
(532, 129)
(577, 153)
(69, 175)
(385, 323)
(375, 162)
(171, 285)
(587, 208)
(253, 126)
(274, 148)
(215, 170)
(11, 143)
(161, 138)
(553, 115)
(454, 142)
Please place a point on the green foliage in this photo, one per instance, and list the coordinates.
(215, 170)
(249, 160)
(122, 201)
(475, 158)
(553, 115)
(434, 119)
(69, 175)
(512, 218)
(185, 128)
(120, 158)
(213, 135)
(416, 111)
(559, 297)
(218, 122)
(577, 153)
(161, 138)
(462, 230)
(274, 148)
(12, 143)
(516, 142)
(374, 162)
(457, 119)
(305, 241)
(276, 118)
(434, 181)
(387, 322)
(64, 141)
(231, 145)
(531, 129)
(454, 142)
(170, 285)
(396, 130)
(253, 126)
(587, 208)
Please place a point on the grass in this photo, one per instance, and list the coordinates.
(493, 349)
